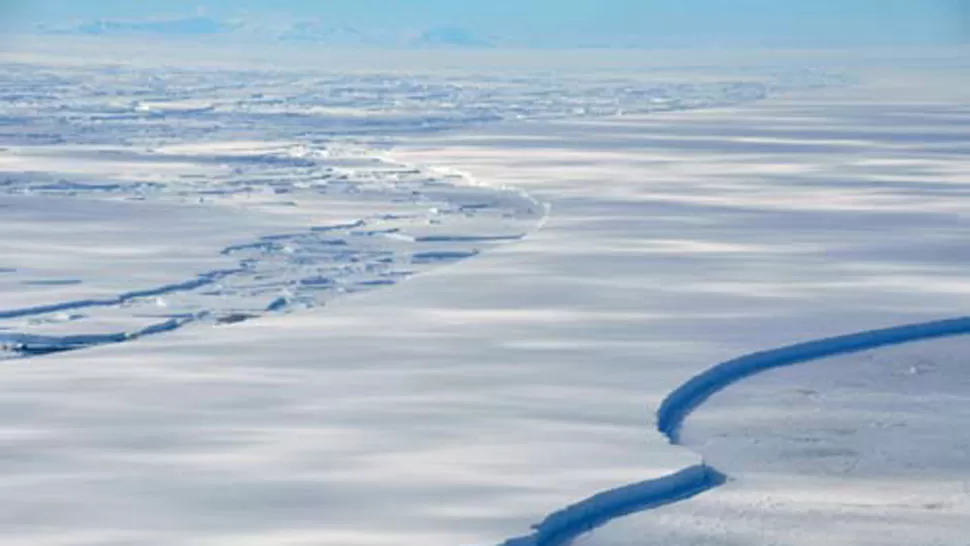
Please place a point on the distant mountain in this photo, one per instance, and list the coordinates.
(302, 30)
(185, 26)
(318, 31)
(449, 37)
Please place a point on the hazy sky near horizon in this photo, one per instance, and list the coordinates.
(579, 22)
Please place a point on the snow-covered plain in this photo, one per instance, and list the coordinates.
(472, 401)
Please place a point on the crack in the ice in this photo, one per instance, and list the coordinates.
(297, 269)
(680, 403)
(565, 525)
(36, 345)
(201, 280)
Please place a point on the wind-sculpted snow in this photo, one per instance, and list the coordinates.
(564, 526)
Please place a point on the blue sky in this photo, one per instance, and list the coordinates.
(579, 22)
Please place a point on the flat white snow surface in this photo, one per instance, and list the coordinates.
(474, 400)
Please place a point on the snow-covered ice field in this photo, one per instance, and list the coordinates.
(607, 238)
(874, 454)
